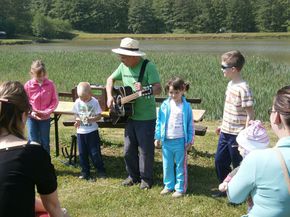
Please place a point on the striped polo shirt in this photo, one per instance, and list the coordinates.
(238, 97)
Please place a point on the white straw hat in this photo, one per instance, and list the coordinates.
(129, 47)
(253, 137)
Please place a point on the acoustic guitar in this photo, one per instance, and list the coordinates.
(124, 101)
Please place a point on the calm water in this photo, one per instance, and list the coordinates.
(277, 50)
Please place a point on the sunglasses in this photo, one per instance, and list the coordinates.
(223, 67)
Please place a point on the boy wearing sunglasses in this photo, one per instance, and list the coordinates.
(238, 111)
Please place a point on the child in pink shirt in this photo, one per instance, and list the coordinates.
(43, 98)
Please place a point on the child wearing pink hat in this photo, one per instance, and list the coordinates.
(251, 138)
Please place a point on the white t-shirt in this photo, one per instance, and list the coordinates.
(84, 110)
(175, 121)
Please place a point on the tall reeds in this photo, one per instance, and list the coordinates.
(68, 68)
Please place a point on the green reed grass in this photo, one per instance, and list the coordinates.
(203, 72)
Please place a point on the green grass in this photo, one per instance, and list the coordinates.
(26, 39)
(68, 68)
(108, 198)
(15, 41)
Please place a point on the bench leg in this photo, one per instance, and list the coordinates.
(73, 150)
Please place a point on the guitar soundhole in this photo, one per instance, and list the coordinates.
(119, 106)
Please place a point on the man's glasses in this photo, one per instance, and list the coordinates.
(270, 111)
(223, 67)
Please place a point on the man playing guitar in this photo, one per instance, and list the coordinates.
(140, 128)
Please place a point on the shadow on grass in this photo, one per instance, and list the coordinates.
(194, 152)
(67, 172)
(201, 179)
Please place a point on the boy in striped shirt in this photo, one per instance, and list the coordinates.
(238, 111)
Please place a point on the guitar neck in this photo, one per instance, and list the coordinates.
(129, 98)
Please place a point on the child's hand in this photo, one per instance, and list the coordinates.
(157, 144)
(218, 130)
(94, 119)
(35, 115)
(223, 187)
(39, 113)
(77, 123)
(188, 146)
(91, 120)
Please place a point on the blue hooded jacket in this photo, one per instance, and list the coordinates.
(162, 120)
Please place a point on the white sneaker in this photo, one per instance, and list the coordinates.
(165, 191)
(177, 194)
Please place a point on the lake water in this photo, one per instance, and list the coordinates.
(277, 50)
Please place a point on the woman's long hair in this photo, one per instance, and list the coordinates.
(13, 103)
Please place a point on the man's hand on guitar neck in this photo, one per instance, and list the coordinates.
(156, 88)
(138, 86)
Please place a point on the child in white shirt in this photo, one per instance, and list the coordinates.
(87, 112)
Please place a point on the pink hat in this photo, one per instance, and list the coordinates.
(253, 137)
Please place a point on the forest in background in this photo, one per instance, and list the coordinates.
(56, 18)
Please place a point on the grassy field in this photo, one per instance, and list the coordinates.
(14, 41)
(203, 36)
(79, 35)
(203, 72)
(107, 197)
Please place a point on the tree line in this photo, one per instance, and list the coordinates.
(55, 18)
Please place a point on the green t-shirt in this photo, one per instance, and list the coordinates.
(144, 106)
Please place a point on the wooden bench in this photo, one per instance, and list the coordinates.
(199, 130)
(99, 91)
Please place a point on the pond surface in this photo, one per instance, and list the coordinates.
(277, 50)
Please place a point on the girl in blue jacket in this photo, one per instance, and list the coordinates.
(175, 130)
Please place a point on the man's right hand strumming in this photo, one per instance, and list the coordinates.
(110, 102)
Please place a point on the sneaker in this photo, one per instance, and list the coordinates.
(166, 191)
(128, 182)
(91, 179)
(144, 185)
(88, 178)
(82, 176)
(219, 194)
(177, 194)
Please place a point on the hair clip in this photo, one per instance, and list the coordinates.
(4, 100)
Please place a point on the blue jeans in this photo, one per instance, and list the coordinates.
(38, 131)
(174, 153)
(89, 146)
(227, 153)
